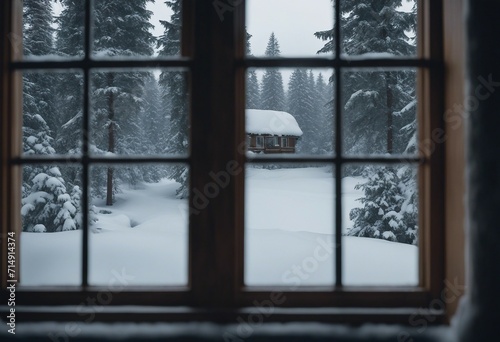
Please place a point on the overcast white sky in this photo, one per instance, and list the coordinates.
(294, 27)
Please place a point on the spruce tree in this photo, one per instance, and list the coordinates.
(253, 88)
(121, 29)
(174, 86)
(324, 107)
(378, 114)
(371, 98)
(301, 106)
(48, 207)
(153, 128)
(273, 94)
(69, 43)
(389, 210)
(37, 29)
(43, 190)
(38, 86)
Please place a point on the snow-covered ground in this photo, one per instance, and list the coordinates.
(289, 238)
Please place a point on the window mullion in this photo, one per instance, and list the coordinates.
(11, 136)
(212, 240)
(338, 150)
(85, 144)
(430, 96)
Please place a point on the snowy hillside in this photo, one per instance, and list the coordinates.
(289, 238)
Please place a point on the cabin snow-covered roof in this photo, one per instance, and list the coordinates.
(273, 122)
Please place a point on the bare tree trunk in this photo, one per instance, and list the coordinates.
(390, 105)
(111, 139)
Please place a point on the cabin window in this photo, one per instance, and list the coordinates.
(258, 228)
(260, 142)
(272, 142)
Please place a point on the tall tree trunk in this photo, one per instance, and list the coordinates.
(390, 105)
(111, 139)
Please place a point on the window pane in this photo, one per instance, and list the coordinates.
(137, 29)
(375, 28)
(51, 237)
(274, 28)
(52, 113)
(380, 218)
(51, 30)
(296, 105)
(380, 112)
(139, 112)
(139, 224)
(289, 220)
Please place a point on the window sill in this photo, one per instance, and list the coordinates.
(233, 332)
(127, 313)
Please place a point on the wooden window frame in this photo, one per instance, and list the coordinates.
(215, 45)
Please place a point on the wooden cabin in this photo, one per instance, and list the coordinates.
(270, 131)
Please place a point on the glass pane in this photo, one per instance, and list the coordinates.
(51, 237)
(380, 112)
(289, 111)
(375, 28)
(51, 30)
(139, 112)
(139, 224)
(274, 28)
(136, 29)
(52, 113)
(380, 225)
(289, 220)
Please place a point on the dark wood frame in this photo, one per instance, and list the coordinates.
(214, 51)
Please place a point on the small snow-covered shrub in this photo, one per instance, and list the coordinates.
(48, 207)
(39, 228)
(389, 208)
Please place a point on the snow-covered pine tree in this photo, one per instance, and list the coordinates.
(38, 106)
(37, 29)
(273, 94)
(253, 88)
(384, 103)
(174, 86)
(121, 29)
(324, 108)
(69, 87)
(389, 210)
(301, 106)
(153, 128)
(36, 137)
(371, 98)
(316, 115)
(48, 207)
(69, 42)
